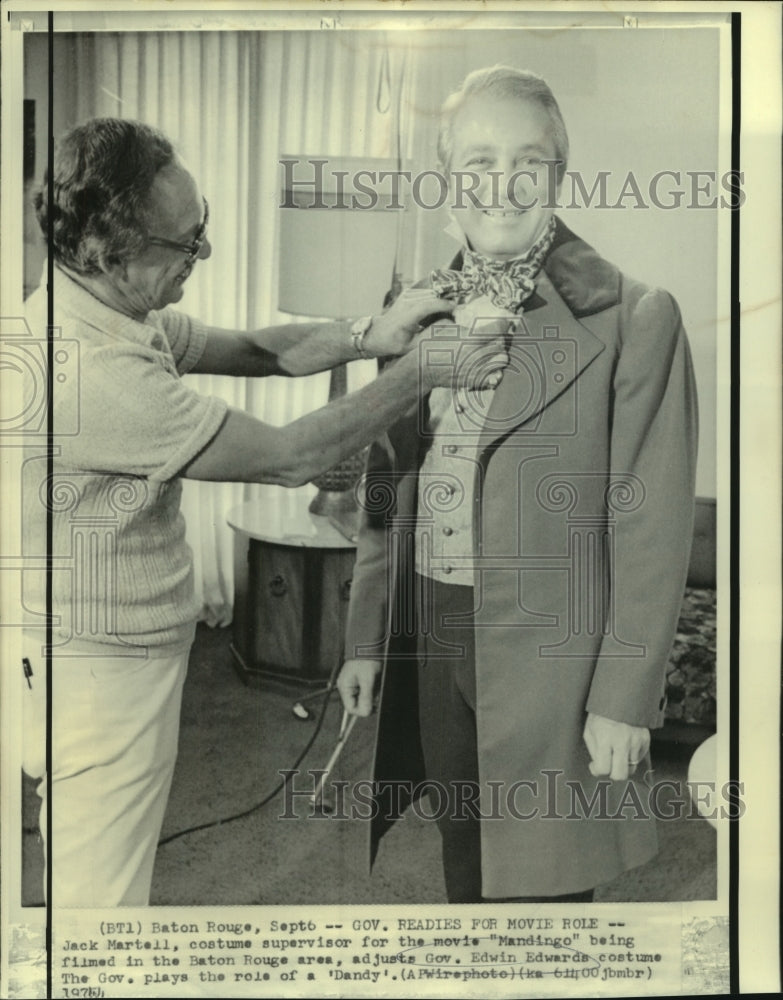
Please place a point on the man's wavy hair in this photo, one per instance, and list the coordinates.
(503, 82)
(103, 173)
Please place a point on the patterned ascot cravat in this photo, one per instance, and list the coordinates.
(507, 283)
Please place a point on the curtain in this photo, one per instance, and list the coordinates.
(232, 102)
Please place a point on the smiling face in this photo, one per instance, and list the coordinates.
(156, 277)
(504, 141)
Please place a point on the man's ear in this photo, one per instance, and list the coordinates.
(113, 267)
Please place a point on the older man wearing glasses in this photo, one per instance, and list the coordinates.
(126, 223)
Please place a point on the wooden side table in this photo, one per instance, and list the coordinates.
(292, 577)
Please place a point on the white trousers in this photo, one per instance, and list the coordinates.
(115, 729)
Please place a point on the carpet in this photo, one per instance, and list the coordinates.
(235, 740)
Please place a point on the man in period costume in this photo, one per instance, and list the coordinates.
(523, 554)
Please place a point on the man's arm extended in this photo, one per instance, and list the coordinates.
(304, 348)
(247, 450)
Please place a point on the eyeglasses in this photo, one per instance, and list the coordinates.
(192, 250)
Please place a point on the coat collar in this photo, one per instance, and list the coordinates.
(585, 282)
(576, 282)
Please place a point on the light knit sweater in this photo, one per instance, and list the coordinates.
(124, 426)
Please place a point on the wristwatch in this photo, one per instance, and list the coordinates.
(359, 331)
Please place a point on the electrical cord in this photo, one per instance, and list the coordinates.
(280, 785)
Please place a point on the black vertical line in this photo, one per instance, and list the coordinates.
(49, 475)
(734, 499)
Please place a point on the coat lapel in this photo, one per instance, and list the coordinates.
(549, 353)
(553, 348)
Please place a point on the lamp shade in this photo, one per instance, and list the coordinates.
(338, 235)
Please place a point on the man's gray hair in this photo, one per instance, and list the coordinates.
(503, 82)
(103, 173)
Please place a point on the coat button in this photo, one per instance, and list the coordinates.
(448, 531)
(447, 569)
(452, 449)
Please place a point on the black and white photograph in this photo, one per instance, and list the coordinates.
(387, 410)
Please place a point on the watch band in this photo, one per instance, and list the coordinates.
(359, 331)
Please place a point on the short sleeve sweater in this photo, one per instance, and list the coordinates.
(125, 424)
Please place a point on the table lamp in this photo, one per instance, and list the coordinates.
(337, 247)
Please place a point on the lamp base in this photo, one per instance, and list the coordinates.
(328, 502)
(340, 508)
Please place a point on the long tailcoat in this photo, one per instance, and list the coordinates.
(582, 521)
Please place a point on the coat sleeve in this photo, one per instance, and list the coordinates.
(368, 612)
(650, 499)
